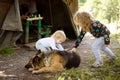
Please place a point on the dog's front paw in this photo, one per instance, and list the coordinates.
(35, 72)
(30, 69)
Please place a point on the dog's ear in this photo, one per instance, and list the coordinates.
(39, 51)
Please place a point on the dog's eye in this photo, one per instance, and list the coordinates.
(36, 59)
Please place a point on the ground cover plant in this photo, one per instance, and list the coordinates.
(7, 50)
(110, 70)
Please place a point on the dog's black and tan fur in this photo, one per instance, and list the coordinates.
(55, 61)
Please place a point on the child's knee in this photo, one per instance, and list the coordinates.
(94, 47)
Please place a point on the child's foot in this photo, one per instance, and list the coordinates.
(97, 64)
(113, 58)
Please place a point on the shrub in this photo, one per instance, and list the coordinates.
(6, 50)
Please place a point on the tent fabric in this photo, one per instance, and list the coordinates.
(4, 7)
(7, 38)
(12, 21)
(55, 12)
(9, 20)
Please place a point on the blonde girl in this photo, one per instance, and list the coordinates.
(88, 24)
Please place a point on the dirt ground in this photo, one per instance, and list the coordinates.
(12, 66)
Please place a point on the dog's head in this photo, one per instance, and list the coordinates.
(36, 61)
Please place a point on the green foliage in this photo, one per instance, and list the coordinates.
(112, 9)
(81, 2)
(6, 50)
(110, 70)
(106, 10)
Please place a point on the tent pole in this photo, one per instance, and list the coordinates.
(51, 17)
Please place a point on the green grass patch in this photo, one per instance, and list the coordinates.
(115, 37)
(110, 70)
(7, 50)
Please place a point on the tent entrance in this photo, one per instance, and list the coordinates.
(57, 14)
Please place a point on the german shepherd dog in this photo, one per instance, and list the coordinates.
(55, 61)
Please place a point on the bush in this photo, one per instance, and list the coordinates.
(6, 50)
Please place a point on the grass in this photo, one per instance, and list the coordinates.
(6, 50)
(110, 70)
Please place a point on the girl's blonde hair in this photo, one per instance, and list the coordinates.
(83, 19)
(59, 34)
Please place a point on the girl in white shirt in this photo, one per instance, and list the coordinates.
(51, 43)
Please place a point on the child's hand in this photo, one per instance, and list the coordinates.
(73, 50)
(67, 49)
(24, 16)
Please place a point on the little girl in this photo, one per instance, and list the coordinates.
(88, 24)
(51, 43)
